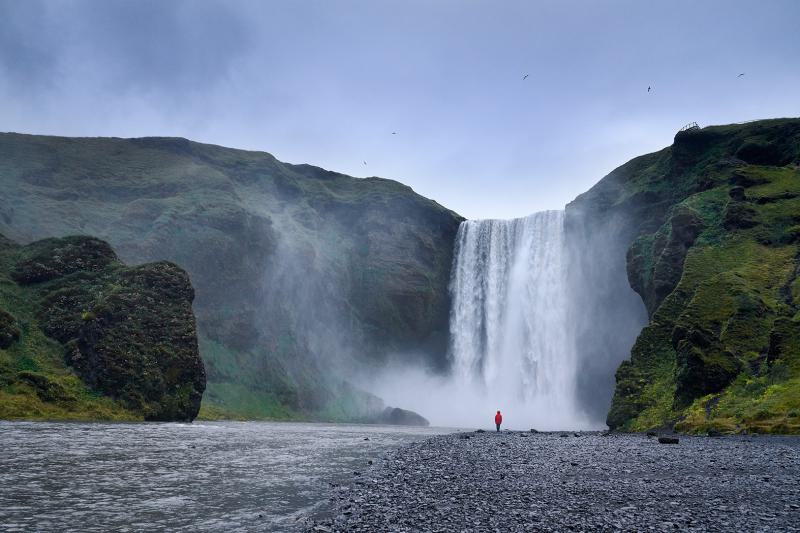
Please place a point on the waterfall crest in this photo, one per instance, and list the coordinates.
(510, 335)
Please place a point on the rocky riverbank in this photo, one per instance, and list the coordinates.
(516, 481)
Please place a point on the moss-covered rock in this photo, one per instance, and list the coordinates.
(739, 215)
(762, 152)
(50, 259)
(47, 389)
(127, 332)
(655, 263)
(138, 343)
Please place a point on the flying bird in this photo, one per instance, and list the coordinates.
(648, 88)
(365, 162)
(394, 133)
(524, 77)
(740, 75)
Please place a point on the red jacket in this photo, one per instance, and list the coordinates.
(498, 418)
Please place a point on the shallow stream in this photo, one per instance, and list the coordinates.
(205, 476)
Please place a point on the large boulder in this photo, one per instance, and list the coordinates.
(128, 332)
(401, 417)
(138, 344)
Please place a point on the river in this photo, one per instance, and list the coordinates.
(205, 476)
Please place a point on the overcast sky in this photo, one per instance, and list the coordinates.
(327, 82)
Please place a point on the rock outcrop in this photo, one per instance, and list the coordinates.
(401, 417)
(128, 333)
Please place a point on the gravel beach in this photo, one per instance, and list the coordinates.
(514, 481)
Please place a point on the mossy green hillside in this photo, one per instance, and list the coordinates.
(94, 339)
(715, 255)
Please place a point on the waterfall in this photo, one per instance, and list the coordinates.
(511, 342)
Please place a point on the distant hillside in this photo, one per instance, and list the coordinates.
(82, 336)
(713, 229)
(298, 271)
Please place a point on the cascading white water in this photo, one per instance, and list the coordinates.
(511, 342)
(540, 319)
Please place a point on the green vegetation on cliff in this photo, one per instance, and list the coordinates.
(297, 270)
(83, 337)
(714, 224)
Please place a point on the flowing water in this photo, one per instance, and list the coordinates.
(511, 340)
(227, 476)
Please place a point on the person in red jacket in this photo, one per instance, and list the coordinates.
(498, 419)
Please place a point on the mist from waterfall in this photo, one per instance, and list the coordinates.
(541, 316)
(510, 336)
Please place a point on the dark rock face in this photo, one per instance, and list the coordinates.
(129, 332)
(655, 264)
(294, 266)
(8, 330)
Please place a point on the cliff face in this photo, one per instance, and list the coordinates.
(712, 230)
(83, 337)
(297, 270)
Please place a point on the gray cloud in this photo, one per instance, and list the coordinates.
(25, 59)
(167, 47)
(327, 82)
